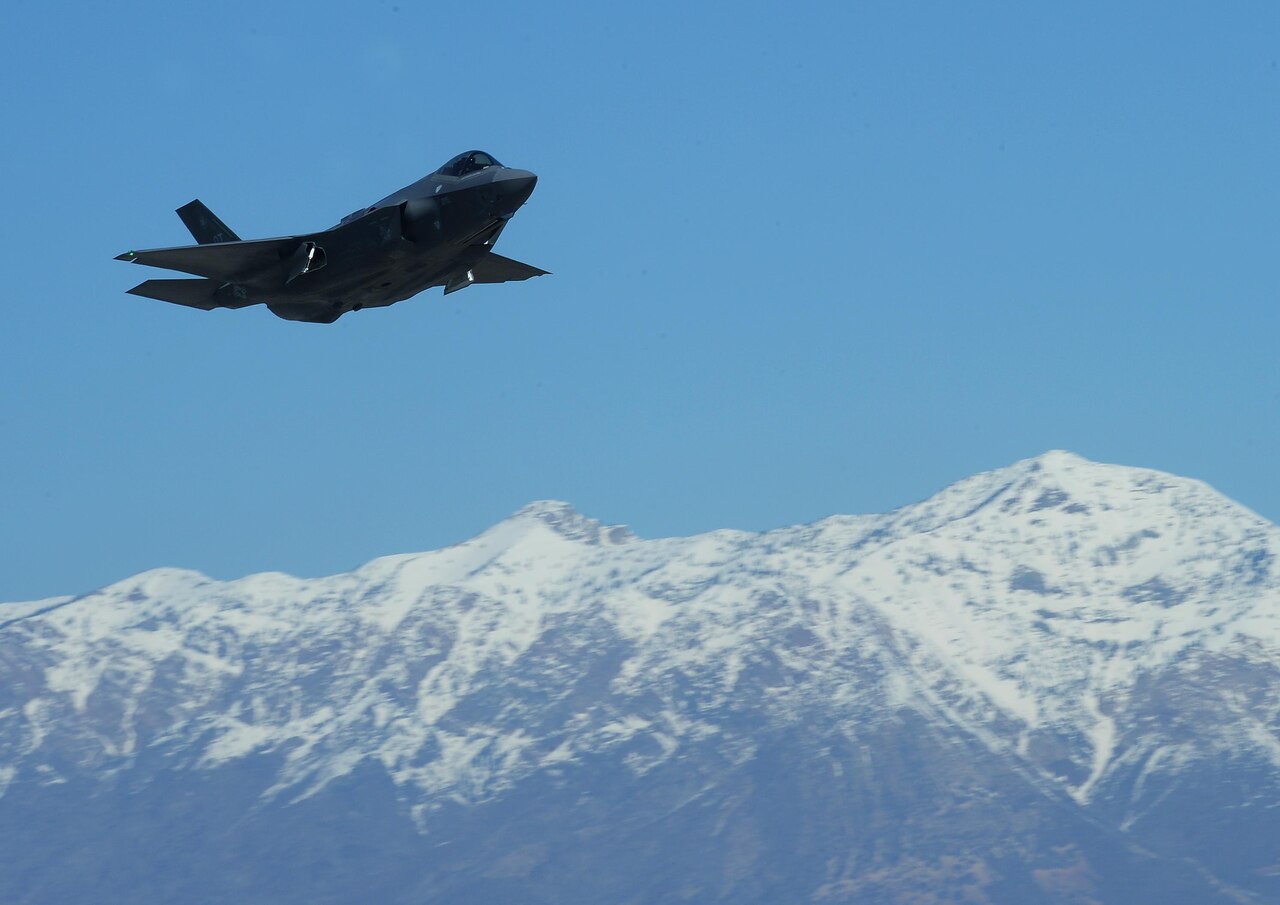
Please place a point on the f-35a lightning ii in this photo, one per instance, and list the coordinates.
(439, 231)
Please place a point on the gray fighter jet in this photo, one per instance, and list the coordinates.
(437, 232)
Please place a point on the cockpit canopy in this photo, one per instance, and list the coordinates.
(468, 162)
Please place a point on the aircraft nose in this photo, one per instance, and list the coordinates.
(516, 187)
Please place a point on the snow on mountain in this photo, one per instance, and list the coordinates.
(1041, 608)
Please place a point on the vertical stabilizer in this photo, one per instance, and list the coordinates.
(204, 224)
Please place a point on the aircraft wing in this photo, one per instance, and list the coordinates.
(227, 261)
(494, 268)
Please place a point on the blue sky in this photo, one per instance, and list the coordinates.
(807, 259)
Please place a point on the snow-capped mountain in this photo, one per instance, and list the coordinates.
(1059, 679)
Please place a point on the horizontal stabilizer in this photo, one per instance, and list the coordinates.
(204, 224)
(203, 294)
(227, 261)
(494, 268)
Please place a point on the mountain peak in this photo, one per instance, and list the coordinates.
(1057, 459)
(570, 524)
(1061, 479)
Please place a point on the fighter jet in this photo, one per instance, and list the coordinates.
(439, 231)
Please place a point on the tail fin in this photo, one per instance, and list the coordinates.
(205, 294)
(204, 224)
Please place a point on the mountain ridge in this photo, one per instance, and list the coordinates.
(1110, 635)
(564, 517)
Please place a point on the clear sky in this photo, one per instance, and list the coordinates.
(807, 258)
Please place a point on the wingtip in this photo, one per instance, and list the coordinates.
(127, 256)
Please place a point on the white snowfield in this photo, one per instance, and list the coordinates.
(1035, 607)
